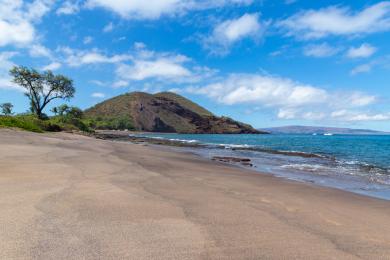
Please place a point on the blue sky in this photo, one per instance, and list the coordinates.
(267, 63)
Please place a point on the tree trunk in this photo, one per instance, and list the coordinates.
(39, 114)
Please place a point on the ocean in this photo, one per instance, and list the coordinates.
(356, 163)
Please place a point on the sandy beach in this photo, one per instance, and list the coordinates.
(65, 196)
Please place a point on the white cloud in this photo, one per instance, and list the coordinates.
(261, 89)
(231, 31)
(364, 51)
(169, 68)
(98, 95)
(52, 66)
(313, 115)
(108, 28)
(337, 20)
(17, 20)
(87, 40)
(5, 65)
(68, 8)
(35, 10)
(76, 58)
(154, 9)
(120, 84)
(320, 50)
(365, 68)
(38, 50)
(97, 82)
(287, 113)
(346, 115)
(139, 64)
(290, 99)
(358, 99)
(161, 66)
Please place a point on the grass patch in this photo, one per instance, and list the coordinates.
(54, 124)
(27, 122)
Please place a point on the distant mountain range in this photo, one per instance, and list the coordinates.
(321, 130)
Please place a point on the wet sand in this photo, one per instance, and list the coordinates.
(65, 196)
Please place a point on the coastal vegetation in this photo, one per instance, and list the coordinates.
(41, 89)
(6, 109)
(161, 112)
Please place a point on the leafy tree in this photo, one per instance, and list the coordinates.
(54, 110)
(60, 110)
(42, 88)
(6, 108)
(63, 109)
(75, 112)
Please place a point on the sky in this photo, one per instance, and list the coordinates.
(263, 62)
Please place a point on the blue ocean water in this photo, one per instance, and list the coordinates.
(357, 163)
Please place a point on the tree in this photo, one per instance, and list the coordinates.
(63, 109)
(60, 110)
(75, 112)
(54, 110)
(42, 88)
(6, 109)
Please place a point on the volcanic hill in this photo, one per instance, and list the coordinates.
(165, 112)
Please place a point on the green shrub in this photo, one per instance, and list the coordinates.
(121, 123)
(54, 124)
(26, 122)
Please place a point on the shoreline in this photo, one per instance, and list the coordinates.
(238, 156)
(69, 196)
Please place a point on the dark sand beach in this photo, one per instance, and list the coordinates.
(65, 196)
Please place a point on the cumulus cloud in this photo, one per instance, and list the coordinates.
(338, 20)
(97, 82)
(87, 40)
(363, 51)
(154, 9)
(346, 115)
(261, 89)
(38, 50)
(77, 58)
(109, 27)
(364, 68)
(17, 19)
(68, 8)
(5, 65)
(290, 99)
(139, 64)
(228, 32)
(320, 50)
(120, 84)
(98, 95)
(160, 66)
(52, 66)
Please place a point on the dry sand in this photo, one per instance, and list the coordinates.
(66, 196)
